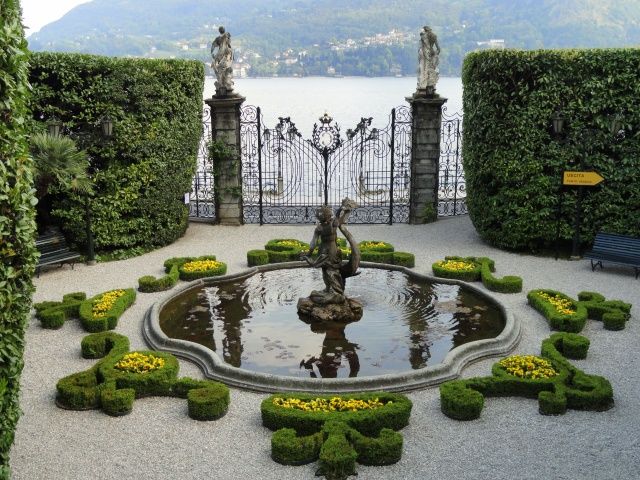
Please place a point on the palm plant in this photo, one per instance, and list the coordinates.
(59, 165)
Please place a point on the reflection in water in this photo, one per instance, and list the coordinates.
(407, 324)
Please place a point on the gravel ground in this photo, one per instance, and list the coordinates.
(158, 440)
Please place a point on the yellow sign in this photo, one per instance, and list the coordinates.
(583, 179)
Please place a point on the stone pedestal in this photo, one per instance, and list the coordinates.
(426, 111)
(348, 311)
(225, 126)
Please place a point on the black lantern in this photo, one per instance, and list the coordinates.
(558, 122)
(55, 126)
(107, 126)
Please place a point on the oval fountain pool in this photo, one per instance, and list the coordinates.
(245, 329)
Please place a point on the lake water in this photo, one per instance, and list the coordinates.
(346, 99)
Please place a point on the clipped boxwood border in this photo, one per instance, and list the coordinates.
(150, 284)
(109, 320)
(212, 272)
(53, 315)
(257, 257)
(571, 388)
(383, 247)
(337, 439)
(590, 305)
(114, 391)
(483, 270)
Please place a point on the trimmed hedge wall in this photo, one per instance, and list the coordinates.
(103, 386)
(337, 439)
(76, 305)
(512, 162)
(175, 271)
(483, 269)
(17, 224)
(142, 172)
(613, 313)
(571, 388)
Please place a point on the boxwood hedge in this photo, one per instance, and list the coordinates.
(104, 386)
(143, 171)
(337, 439)
(571, 388)
(483, 268)
(17, 224)
(513, 164)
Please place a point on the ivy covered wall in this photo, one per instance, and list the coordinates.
(17, 224)
(513, 162)
(142, 173)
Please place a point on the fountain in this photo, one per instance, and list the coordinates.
(397, 330)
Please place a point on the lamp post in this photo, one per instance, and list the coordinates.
(55, 127)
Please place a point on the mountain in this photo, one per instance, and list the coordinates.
(349, 37)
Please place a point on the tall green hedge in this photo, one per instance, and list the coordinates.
(513, 162)
(17, 224)
(143, 171)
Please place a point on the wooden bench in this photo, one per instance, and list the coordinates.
(54, 251)
(616, 249)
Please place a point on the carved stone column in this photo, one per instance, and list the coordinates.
(225, 126)
(425, 155)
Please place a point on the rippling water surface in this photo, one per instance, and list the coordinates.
(407, 324)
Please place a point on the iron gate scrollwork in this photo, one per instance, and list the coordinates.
(452, 192)
(286, 177)
(201, 200)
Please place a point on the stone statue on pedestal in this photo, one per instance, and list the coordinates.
(331, 303)
(222, 64)
(428, 60)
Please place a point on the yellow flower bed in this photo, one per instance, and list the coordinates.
(345, 250)
(105, 302)
(335, 404)
(528, 366)
(456, 265)
(562, 305)
(372, 245)
(291, 244)
(201, 265)
(139, 363)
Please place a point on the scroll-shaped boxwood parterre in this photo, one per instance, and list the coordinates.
(337, 431)
(472, 269)
(568, 388)
(122, 376)
(568, 315)
(96, 314)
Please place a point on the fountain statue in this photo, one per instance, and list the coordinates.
(222, 56)
(428, 60)
(331, 304)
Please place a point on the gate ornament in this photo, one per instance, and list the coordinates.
(428, 60)
(331, 304)
(222, 56)
(326, 137)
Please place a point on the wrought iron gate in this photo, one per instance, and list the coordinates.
(452, 192)
(201, 200)
(286, 177)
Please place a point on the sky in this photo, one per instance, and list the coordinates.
(37, 13)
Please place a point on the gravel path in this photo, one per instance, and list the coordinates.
(158, 440)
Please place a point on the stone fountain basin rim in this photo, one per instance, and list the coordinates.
(213, 367)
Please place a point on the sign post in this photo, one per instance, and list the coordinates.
(579, 180)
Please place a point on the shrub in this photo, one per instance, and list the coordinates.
(279, 256)
(612, 313)
(513, 164)
(471, 269)
(286, 244)
(17, 232)
(570, 388)
(336, 438)
(404, 259)
(213, 269)
(108, 320)
(375, 246)
(257, 257)
(114, 390)
(142, 172)
(149, 283)
(376, 256)
(54, 314)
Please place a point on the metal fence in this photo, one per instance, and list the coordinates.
(452, 192)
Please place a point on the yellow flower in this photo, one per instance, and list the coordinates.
(105, 302)
(528, 366)
(137, 362)
(331, 405)
(201, 265)
(456, 265)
